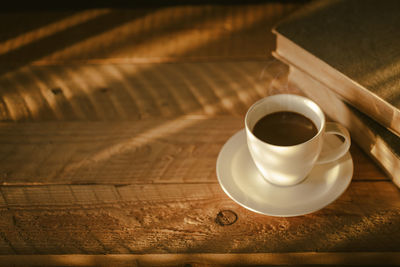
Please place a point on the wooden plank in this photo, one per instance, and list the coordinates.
(133, 91)
(114, 150)
(125, 34)
(154, 150)
(145, 151)
(189, 218)
(207, 259)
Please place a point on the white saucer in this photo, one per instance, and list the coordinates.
(241, 181)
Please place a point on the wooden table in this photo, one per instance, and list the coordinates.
(111, 123)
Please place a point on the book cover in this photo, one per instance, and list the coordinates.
(351, 46)
(378, 142)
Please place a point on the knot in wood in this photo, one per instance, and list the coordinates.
(226, 217)
(56, 91)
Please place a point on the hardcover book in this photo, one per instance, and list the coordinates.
(351, 46)
(378, 142)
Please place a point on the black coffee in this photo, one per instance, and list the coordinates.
(284, 128)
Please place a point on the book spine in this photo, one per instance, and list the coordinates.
(378, 142)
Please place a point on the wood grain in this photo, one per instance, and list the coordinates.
(164, 32)
(115, 92)
(183, 218)
(111, 122)
(146, 151)
(207, 259)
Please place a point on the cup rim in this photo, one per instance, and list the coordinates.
(258, 102)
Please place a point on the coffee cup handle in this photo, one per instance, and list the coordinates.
(338, 152)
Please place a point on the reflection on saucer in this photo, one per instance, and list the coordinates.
(241, 181)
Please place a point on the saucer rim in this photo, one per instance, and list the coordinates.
(335, 190)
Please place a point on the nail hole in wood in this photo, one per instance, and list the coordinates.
(103, 90)
(56, 91)
(226, 217)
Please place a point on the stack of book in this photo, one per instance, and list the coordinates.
(345, 55)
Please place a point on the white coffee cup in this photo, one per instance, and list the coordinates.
(289, 165)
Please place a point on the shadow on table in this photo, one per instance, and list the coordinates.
(143, 36)
(50, 72)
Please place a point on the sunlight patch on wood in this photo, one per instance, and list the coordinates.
(50, 29)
